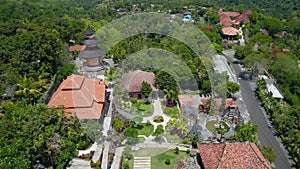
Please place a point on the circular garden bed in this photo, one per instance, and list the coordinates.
(214, 127)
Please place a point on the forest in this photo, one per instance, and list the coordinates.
(35, 36)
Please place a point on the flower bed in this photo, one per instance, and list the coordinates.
(158, 119)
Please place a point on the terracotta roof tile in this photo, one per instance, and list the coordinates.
(210, 154)
(80, 95)
(77, 48)
(233, 14)
(234, 155)
(230, 31)
(230, 103)
(247, 12)
(133, 81)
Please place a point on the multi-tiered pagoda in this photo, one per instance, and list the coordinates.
(92, 54)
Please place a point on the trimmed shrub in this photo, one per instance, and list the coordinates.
(167, 161)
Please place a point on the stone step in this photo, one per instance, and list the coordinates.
(142, 163)
(137, 158)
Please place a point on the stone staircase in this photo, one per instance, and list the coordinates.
(142, 163)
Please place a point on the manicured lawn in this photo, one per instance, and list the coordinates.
(173, 138)
(171, 111)
(158, 156)
(145, 129)
(158, 161)
(211, 126)
(145, 109)
(144, 152)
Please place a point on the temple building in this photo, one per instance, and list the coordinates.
(92, 54)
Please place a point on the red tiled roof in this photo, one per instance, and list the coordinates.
(218, 103)
(77, 48)
(225, 17)
(233, 155)
(241, 18)
(230, 103)
(233, 14)
(231, 31)
(210, 154)
(248, 12)
(133, 80)
(264, 31)
(225, 20)
(80, 95)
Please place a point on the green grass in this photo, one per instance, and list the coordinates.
(145, 129)
(158, 156)
(171, 111)
(141, 139)
(146, 108)
(158, 161)
(144, 152)
(211, 126)
(173, 138)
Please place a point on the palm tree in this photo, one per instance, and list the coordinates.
(171, 96)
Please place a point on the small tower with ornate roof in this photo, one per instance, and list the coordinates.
(92, 54)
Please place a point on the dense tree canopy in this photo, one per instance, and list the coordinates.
(30, 133)
(246, 132)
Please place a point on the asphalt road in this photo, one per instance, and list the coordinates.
(257, 116)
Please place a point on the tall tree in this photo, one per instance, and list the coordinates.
(146, 89)
(246, 132)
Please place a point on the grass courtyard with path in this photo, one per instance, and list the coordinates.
(158, 157)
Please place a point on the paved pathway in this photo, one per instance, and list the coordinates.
(77, 163)
(157, 112)
(105, 155)
(117, 158)
(92, 148)
(161, 145)
(97, 153)
(222, 66)
(142, 163)
(242, 40)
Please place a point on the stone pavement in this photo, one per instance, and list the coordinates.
(97, 153)
(92, 148)
(105, 154)
(77, 163)
(182, 147)
(117, 157)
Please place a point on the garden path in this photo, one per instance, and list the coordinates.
(157, 112)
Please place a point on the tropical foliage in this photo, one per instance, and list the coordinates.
(246, 132)
(30, 133)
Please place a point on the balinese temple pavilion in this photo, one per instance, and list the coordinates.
(92, 54)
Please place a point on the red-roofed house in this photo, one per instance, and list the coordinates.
(230, 31)
(241, 19)
(81, 97)
(247, 12)
(132, 82)
(216, 103)
(231, 156)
